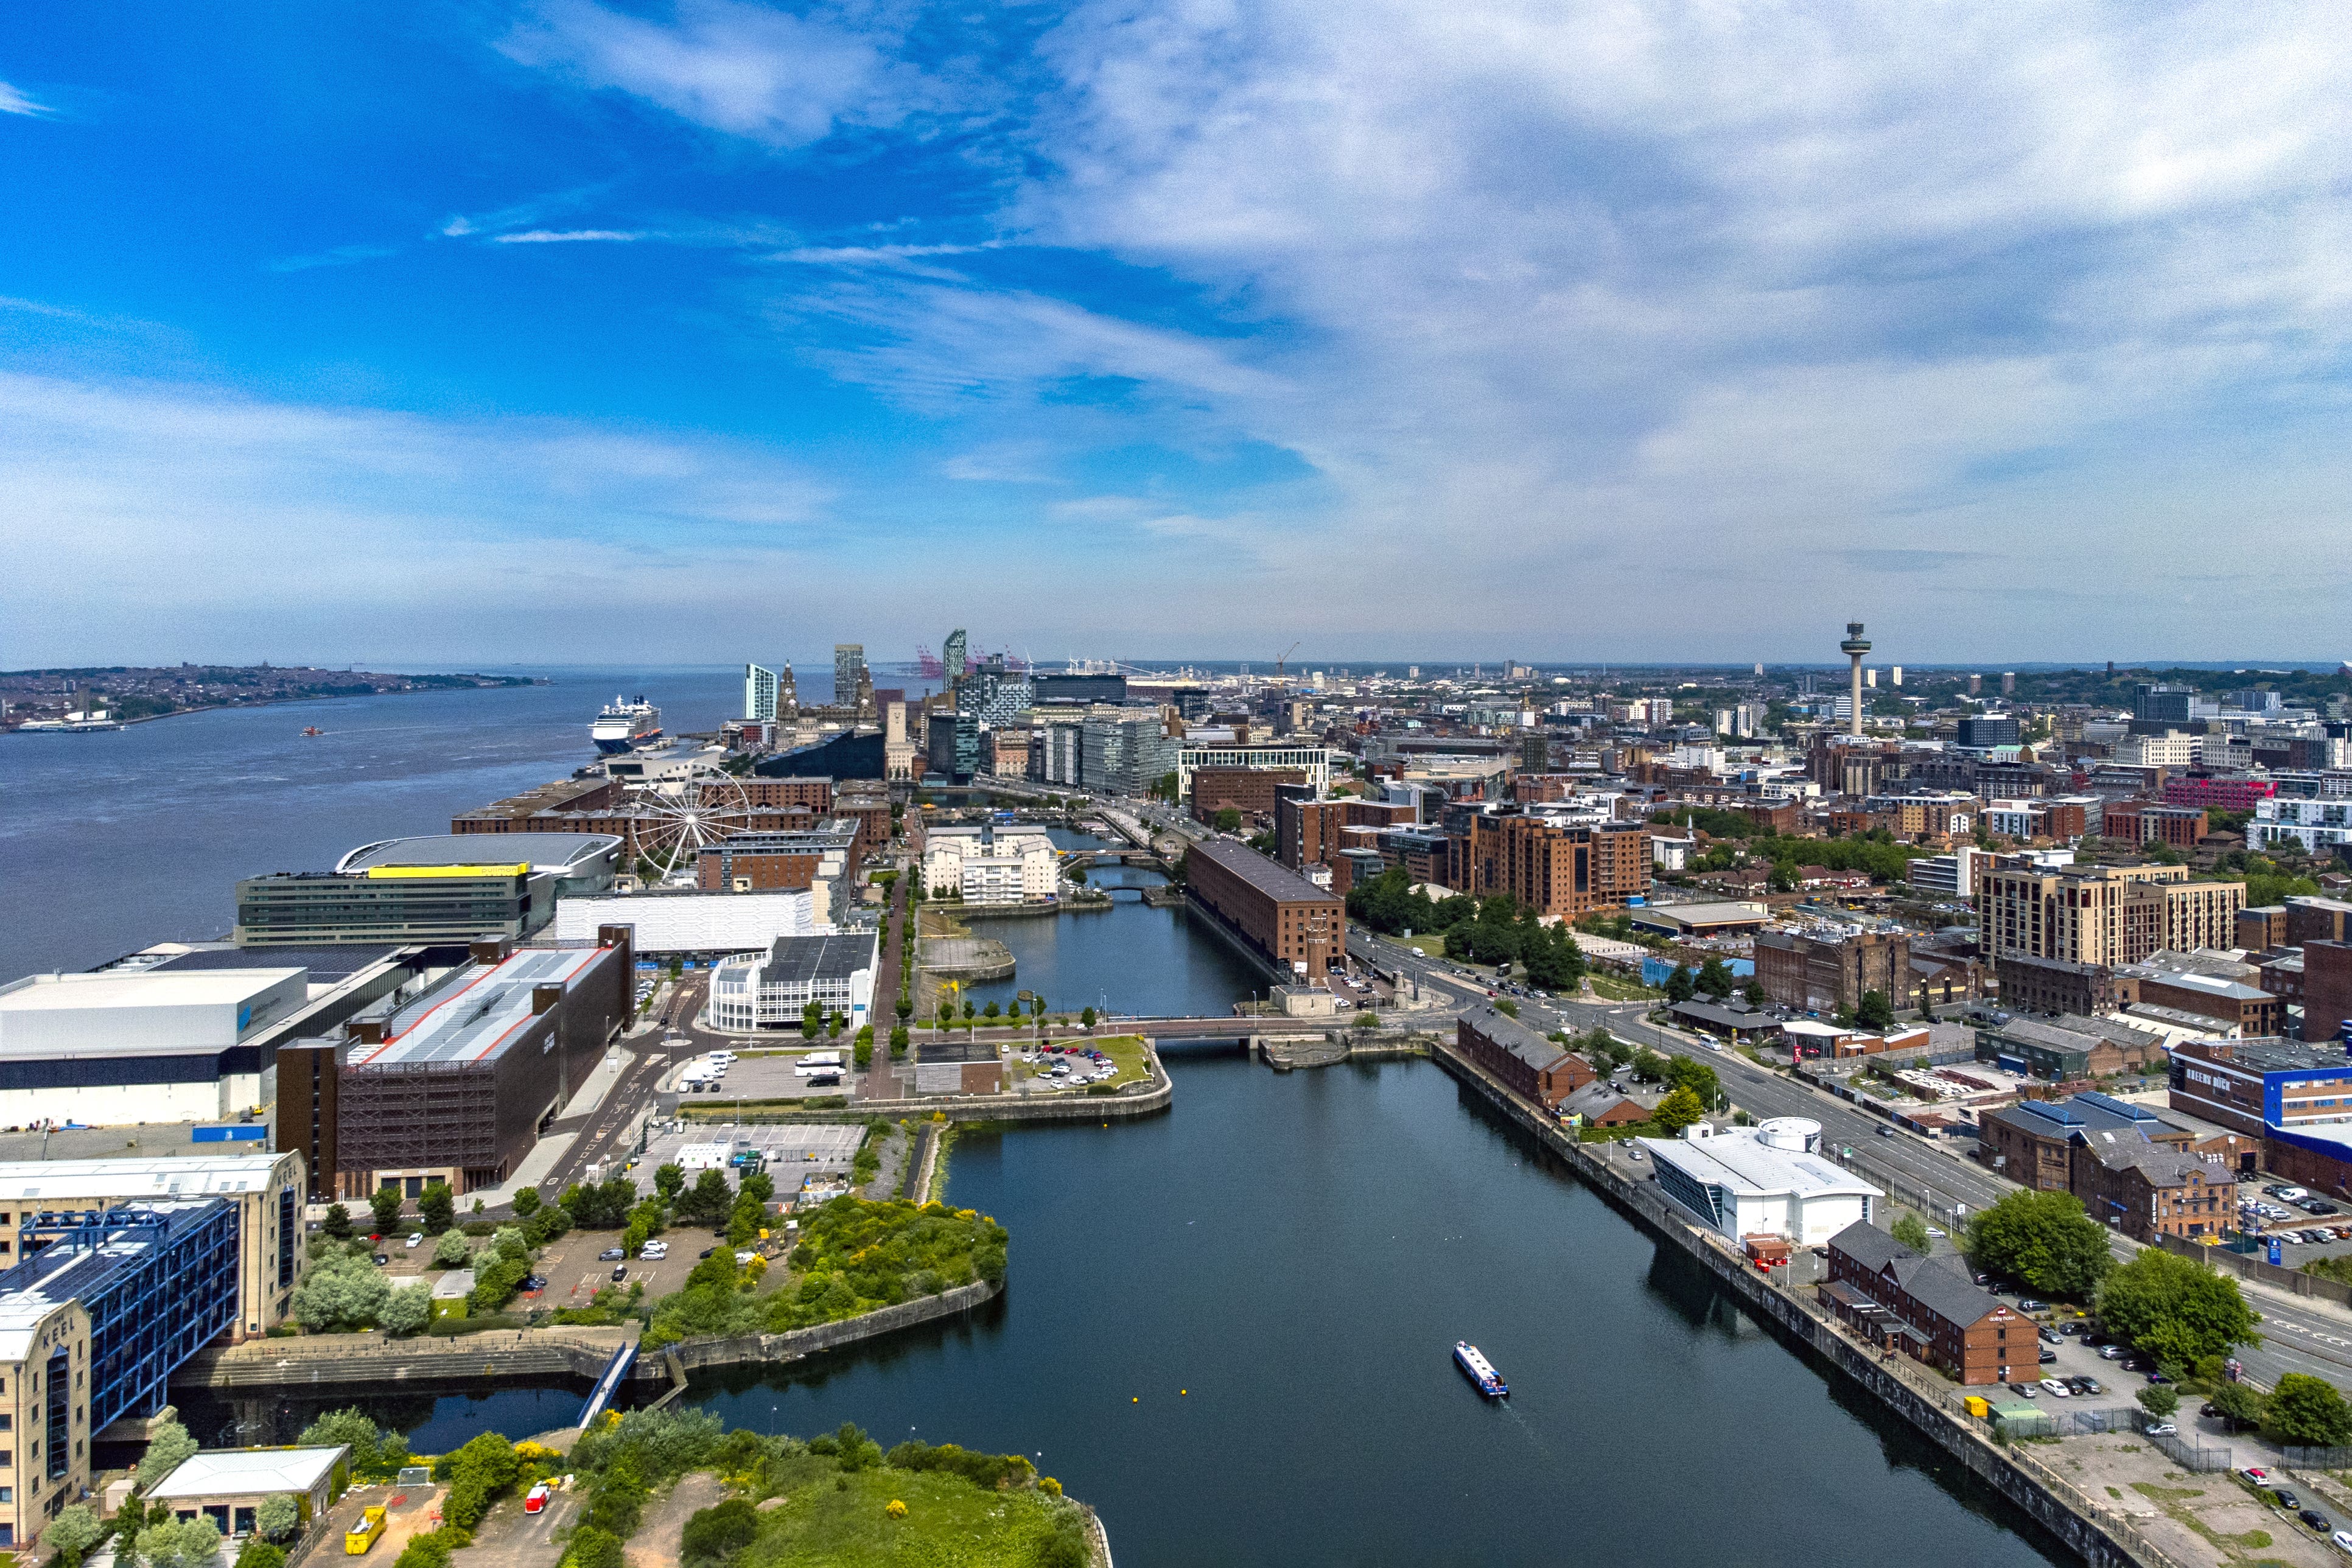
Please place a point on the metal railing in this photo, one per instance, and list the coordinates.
(2188, 1456)
(2316, 1458)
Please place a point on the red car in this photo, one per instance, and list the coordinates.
(535, 1498)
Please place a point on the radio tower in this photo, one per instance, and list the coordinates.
(1854, 648)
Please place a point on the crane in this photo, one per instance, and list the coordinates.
(1280, 658)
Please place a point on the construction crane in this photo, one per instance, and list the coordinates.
(1279, 659)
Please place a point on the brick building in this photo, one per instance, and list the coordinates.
(1250, 790)
(2129, 1167)
(2101, 914)
(1294, 926)
(1938, 1315)
(2311, 920)
(2260, 929)
(2056, 986)
(2256, 1013)
(1531, 1065)
(813, 794)
(778, 862)
(1829, 975)
(2327, 989)
(1306, 830)
(2151, 822)
(1559, 871)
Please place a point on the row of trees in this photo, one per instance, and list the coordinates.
(1497, 930)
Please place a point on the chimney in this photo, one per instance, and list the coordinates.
(545, 999)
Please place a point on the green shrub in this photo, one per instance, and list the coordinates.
(717, 1531)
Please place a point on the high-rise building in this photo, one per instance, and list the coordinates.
(951, 655)
(2009, 683)
(1556, 870)
(1895, 676)
(759, 692)
(848, 665)
(2161, 704)
(1125, 753)
(1975, 685)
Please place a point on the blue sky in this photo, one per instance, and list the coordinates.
(562, 331)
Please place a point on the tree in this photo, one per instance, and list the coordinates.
(991, 1010)
(349, 1426)
(190, 1543)
(259, 1553)
(2175, 1310)
(1506, 1007)
(2238, 1405)
(1686, 1072)
(450, 1250)
(438, 1206)
(1678, 1110)
(406, 1309)
(1228, 820)
(1912, 1232)
(1648, 1065)
(385, 1204)
(2308, 1413)
(2158, 1400)
(669, 1179)
(278, 1516)
(1713, 978)
(1678, 985)
(898, 1041)
(2043, 1239)
(708, 1200)
(168, 1448)
(1087, 1018)
(1753, 994)
(73, 1532)
(526, 1203)
(1874, 1012)
(338, 1292)
(337, 1226)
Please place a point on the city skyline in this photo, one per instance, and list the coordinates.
(539, 333)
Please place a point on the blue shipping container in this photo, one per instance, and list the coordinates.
(254, 1133)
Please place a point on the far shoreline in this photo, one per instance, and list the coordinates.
(287, 702)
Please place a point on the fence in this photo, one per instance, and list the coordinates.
(2317, 1458)
(2245, 1266)
(2187, 1456)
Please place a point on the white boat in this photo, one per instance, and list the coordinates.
(624, 725)
(1480, 1371)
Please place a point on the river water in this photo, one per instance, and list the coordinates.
(1227, 1328)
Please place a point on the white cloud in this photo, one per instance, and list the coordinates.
(566, 236)
(776, 78)
(16, 100)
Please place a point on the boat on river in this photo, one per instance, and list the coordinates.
(1480, 1371)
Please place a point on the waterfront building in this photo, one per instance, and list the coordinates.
(1285, 921)
(770, 991)
(848, 673)
(990, 864)
(1563, 870)
(1532, 1065)
(1127, 752)
(228, 1486)
(452, 1083)
(2131, 1168)
(1927, 1307)
(826, 851)
(680, 923)
(760, 687)
(1764, 1181)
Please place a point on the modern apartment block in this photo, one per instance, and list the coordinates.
(2148, 822)
(2321, 827)
(2101, 914)
(1559, 870)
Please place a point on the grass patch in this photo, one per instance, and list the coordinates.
(832, 1519)
(1617, 989)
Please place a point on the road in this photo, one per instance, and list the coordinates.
(2300, 1336)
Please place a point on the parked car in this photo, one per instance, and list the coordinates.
(2155, 1376)
(381, 1259)
(2162, 1430)
(620, 1271)
(2255, 1476)
(2070, 1328)
(2089, 1386)
(415, 1239)
(611, 1255)
(2057, 1390)
(2316, 1519)
(2112, 1352)
(2050, 1337)
(534, 1282)
(2048, 1356)
(2029, 1304)
(2285, 1499)
(705, 1252)
(2341, 1541)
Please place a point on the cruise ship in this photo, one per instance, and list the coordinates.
(1480, 1371)
(624, 725)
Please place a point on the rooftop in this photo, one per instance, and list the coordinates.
(249, 1472)
(1514, 1037)
(326, 964)
(474, 1016)
(559, 852)
(171, 1176)
(142, 988)
(1739, 1159)
(798, 959)
(1270, 877)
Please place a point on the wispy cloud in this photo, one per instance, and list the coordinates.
(341, 256)
(16, 101)
(568, 236)
(771, 76)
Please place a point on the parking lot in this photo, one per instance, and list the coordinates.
(762, 1076)
(789, 1152)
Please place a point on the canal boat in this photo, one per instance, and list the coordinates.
(1480, 1371)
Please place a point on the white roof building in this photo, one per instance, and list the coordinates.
(249, 1472)
(1760, 1180)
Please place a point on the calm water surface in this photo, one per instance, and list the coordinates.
(1229, 1330)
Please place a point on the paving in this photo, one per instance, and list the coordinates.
(791, 1151)
(510, 1538)
(408, 1512)
(2204, 1518)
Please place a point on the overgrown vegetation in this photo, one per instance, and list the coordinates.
(854, 1257)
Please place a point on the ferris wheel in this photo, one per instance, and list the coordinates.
(676, 824)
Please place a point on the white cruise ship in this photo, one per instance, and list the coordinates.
(624, 725)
